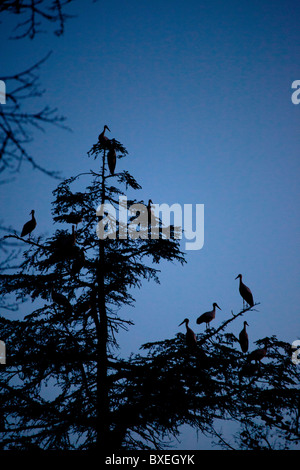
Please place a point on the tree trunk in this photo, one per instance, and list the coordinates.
(102, 369)
(102, 360)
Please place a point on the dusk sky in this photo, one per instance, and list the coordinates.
(199, 93)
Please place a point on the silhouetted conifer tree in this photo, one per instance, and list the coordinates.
(63, 386)
(171, 386)
(79, 282)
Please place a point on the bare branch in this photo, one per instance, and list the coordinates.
(36, 12)
(214, 332)
(16, 124)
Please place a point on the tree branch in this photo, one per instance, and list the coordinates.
(214, 332)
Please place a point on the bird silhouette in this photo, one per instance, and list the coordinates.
(190, 336)
(29, 226)
(207, 317)
(243, 338)
(111, 160)
(103, 140)
(258, 354)
(61, 300)
(245, 292)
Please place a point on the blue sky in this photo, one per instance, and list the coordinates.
(200, 95)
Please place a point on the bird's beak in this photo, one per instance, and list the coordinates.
(108, 129)
(236, 277)
(219, 307)
(181, 323)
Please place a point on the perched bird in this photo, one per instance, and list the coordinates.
(190, 336)
(245, 293)
(102, 138)
(258, 354)
(111, 160)
(60, 299)
(243, 338)
(29, 226)
(207, 317)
